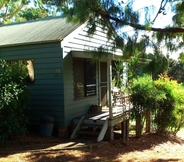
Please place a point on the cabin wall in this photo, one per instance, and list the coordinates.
(47, 90)
(74, 108)
(80, 40)
(75, 45)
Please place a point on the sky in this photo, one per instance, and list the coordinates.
(161, 21)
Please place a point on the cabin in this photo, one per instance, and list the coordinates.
(69, 70)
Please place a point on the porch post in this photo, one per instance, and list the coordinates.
(111, 128)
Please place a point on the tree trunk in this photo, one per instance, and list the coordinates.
(125, 130)
(138, 126)
(148, 121)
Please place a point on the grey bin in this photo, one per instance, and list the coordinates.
(46, 126)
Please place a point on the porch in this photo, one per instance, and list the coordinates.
(102, 124)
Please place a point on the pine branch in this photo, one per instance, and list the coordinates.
(160, 10)
(141, 27)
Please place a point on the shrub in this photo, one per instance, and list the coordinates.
(164, 97)
(142, 95)
(14, 100)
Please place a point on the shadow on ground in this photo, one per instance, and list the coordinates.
(84, 148)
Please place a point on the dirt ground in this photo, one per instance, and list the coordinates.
(148, 148)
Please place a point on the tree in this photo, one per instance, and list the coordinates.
(19, 9)
(118, 15)
(31, 14)
(9, 8)
(159, 64)
(176, 70)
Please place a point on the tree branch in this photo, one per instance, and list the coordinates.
(1, 5)
(17, 10)
(10, 15)
(142, 27)
(160, 10)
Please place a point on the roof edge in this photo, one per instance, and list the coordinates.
(30, 43)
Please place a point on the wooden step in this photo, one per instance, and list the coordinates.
(91, 125)
(87, 132)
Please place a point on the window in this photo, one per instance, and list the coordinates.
(25, 67)
(84, 78)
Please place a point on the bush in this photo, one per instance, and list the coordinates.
(142, 95)
(163, 97)
(14, 100)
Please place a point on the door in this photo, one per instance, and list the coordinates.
(103, 83)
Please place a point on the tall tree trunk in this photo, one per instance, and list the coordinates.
(125, 130)
(138, 126)
(148, 121)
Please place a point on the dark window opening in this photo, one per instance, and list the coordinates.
(25, 67)
(84, 78)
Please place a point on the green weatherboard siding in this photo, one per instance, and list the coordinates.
(47, 91)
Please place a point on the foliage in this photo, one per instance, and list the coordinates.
(178, 18)
(158, 64)
(9, 8)
(31, 14)
(134, 68)
(19, 10)
(143, 95)
(150, 64)
(14, 100)
(181, 57)
(176, 70)
(117, 73)
(163, 97)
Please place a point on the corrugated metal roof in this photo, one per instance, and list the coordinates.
(43, 30)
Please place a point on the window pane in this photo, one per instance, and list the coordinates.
(90, 78)
(78, 69)
(84, 78)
